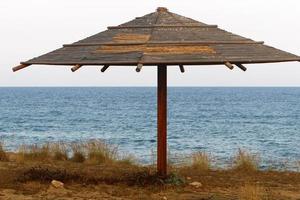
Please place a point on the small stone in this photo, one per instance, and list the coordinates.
(57, 184)
(196, 184)
(188, 178)
(165, 198)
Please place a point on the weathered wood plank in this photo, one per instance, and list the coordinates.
(162, 26)
(164, 43)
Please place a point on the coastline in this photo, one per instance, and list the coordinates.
(95, 170)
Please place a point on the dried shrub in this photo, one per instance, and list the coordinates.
(148, 177)
(245, 161)
(44, 174)
(78, 153)
(201, 161)
(99, 152)
(3, 154)
(137, 177)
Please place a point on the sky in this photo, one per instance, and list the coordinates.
(34, 27)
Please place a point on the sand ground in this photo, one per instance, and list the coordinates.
(33, 181)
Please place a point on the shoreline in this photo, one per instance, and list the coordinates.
(217, 163)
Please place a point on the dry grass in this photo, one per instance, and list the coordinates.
(128, 160)
(201, 161)
(34, 153)
(252, 192)
(78, 152)
(59, 151)
(3, 154)
(297, 165)
(99, 152)
(245, 161)
(46, 152)
(92, 152)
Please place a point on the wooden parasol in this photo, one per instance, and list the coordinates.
(162, 39)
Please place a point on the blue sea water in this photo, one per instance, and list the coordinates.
(216, 120)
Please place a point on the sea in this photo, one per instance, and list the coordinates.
(215, 120)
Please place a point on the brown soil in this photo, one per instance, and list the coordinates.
(31, 180)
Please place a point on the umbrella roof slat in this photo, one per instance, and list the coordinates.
(109, 35)
(171, 62)
(184, 20)
(162, 26)
(141, 58)
(146, 20)
(166, 19)
(163, 37)
(166, 43)
(192, 34)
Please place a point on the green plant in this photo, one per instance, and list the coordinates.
(174, 179)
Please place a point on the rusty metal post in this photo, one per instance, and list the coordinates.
(162, 120)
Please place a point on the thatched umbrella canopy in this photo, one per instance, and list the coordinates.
(162, 39)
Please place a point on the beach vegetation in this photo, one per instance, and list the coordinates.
(78, 152)
(34, 152)
(252, 192)
(100, 152)
(298, 166)
(99, 165)
(59, 151)
(245, 161)
(3, 154)
(201, 161)
(128, 160)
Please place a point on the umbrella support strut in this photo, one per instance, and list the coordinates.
(162, 120)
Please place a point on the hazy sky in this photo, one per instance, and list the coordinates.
(34, 27)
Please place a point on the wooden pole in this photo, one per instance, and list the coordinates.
(181, 67)
(75, 68)
(19, 67)
(139, 67)
(242, 67)
(162, 120)
(229, 65)
(104, 68)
